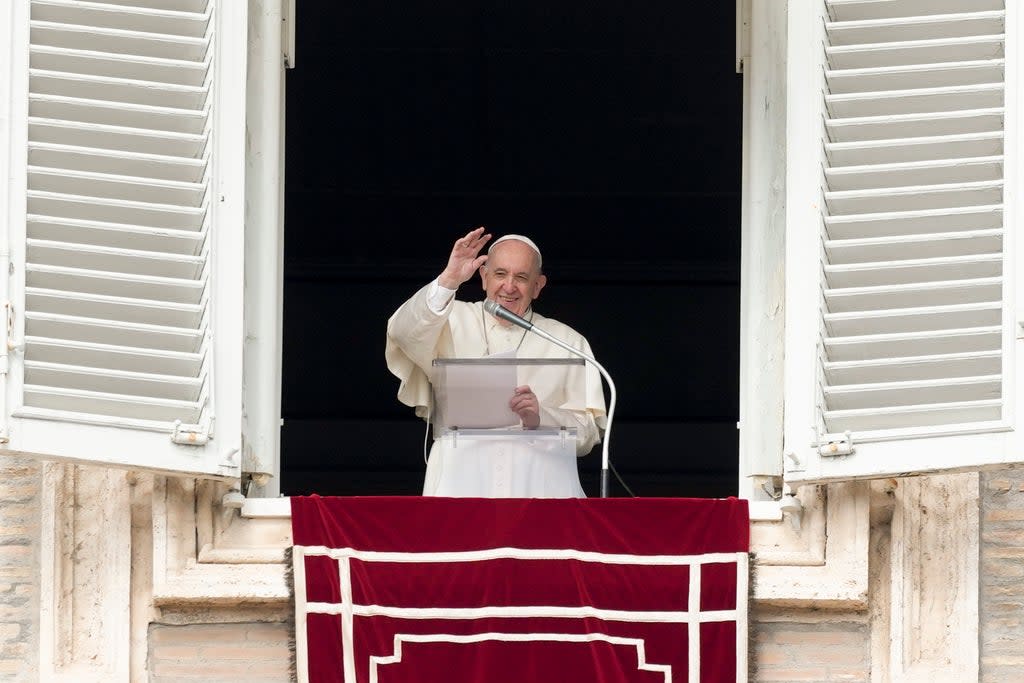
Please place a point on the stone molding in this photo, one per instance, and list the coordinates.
(204, 553)
(824, 562)
(925, 586)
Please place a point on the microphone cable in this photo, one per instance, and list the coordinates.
(621, 480)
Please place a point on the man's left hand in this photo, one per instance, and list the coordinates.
(524, 404)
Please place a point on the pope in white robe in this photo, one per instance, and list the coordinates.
(433, 324)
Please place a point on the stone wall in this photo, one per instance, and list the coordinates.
(1002, 576)
(19, 559)
(809, 646)
(220, 653)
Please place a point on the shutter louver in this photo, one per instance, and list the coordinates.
(912, 246)
(118, 218)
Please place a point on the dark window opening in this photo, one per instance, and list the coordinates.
(610, 133)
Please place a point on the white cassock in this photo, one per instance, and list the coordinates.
(417, 334)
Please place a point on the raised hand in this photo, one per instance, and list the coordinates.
(465, 259)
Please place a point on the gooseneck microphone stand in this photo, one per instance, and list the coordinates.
(498, 311)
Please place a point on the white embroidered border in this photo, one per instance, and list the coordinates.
(638, 643)
(693, 616)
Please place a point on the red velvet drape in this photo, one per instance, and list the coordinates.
(446, 590)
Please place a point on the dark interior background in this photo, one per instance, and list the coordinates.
(608, 131)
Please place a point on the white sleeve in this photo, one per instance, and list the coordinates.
(439, 297)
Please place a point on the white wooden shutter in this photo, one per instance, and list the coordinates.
(125, 285)
(913, 335)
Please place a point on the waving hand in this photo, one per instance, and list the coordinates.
(465, 259)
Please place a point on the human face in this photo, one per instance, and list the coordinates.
(511, 276)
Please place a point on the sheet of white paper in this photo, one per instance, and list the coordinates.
(478, 395)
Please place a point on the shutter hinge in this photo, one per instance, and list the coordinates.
(836, 444)
(190, 435)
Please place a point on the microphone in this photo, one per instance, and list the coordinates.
(498, 311)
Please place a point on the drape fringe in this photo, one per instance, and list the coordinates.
(289, 578)
(751, 580)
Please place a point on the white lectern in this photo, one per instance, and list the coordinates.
(485, 446)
